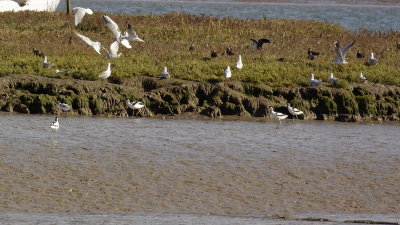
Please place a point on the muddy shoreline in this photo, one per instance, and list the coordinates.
(32, 94)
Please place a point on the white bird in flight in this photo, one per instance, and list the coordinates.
(341, 52)
(294, 111)
(106, 73)
(80, 13)
(113, 53)
(164, 73)
(314, 82)
(117, 33)
(131, 35)
(94, 44)
(55, 125)
(239, 63)
(227, 72)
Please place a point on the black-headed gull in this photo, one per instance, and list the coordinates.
(80, 13)
(258, 44)
(131, 35)
(165, 74)
(227, 72)
(332, 79)
(55, 125)
(117, 33)
(94, 44)
(106, 73)
(239, 63)
(294, 111)
(372, 60)
(63, 106)
(313, 81)
(341, 52)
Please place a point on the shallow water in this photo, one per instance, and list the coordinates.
(371, 15)
(93, 168)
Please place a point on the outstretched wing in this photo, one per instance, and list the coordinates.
(113, 27)
(131, 34)
(95, 45)
(347, 47)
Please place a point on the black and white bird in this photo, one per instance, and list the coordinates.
(229, 51)
(362, 78)
(131, 35)
(45, 63)
(55, 125)
(134, 105)
(227, 72)
(94, 44)
(313, 81)
(165, 74)
(80, 13)
(372, 60)
(311, 54)
(106, 73)
(332, 79)
(64, 106)
(38, 53)
(341, 52)
(277, 115)
(294, 111)
(359, 54)
(117, 33)
(258, 44)
(214, 54)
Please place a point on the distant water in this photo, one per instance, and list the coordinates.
(371, 16)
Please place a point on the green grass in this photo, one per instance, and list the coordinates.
(168, 37)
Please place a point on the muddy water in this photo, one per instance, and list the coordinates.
(114, 166)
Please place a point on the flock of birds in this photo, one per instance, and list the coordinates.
(124, 39)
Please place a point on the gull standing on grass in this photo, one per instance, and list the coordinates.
(332, 79)
(94, 44)
(227, 72)
(278, 115)
(314, 82)
(341, 52)
(362, 78)
(239, 63)
(165, 74)
(294, 111)
(106, 73)
(45, 63)
(63, 106)
(117, 33)
(80, 13)
(55, 125)
(372, 60)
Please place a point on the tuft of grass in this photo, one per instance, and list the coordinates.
(167, 38)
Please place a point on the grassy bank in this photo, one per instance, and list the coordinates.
(168, 37)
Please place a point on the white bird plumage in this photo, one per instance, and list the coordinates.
(131, 35)
(46, 64)
(277, 115)
(227, 72)
(80, 13)
(372, 60)
(362, 78)
(113, 53)
(116, 31)
(341, 52)
(314, 82)
(94, 44)
(55, 125)
(164, 73)
(239, 63)
(106, 73)
(64, 106)
(332, 79)
(134, 104)
(294, 111)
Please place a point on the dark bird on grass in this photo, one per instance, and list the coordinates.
(191, 47)
(229, 51)
(282, 59)
(70, 40)
(214, 54)
(258, 44)
(360, 54)
(311, 54)
(38, 53)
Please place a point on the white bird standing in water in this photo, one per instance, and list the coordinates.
(332, 79)
(165, 74)
(341, 52)
(45, 63)
(314, 82)
(227, 72)
(362, 78)
(278, 115)
(80, 13)
(294, 111)
(134, 105)
(106, 73)
(239, 63)
(55, 125)
(372, 60)
(63, 106)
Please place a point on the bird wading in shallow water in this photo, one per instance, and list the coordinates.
(294, 111)
(55, 125)
(277, 115)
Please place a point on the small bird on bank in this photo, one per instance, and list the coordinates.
(277, 115)
(372, 60)
(80, 13)
(55, 125)
(229, 51)
(61, 73)
(313, 81)
(214, 54)
(258, 44)
(227, 72)
(294, 111)
(63, 106)
(134, 105)
(45, 63)
(165, 74)
(359, 54)
(106, 73)
(38, 53)
(312, 54)
(191, 48)
(341, 52)
(282, 59)
(239, 63)
(362, 78)
(332, 79)
(94, 44)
